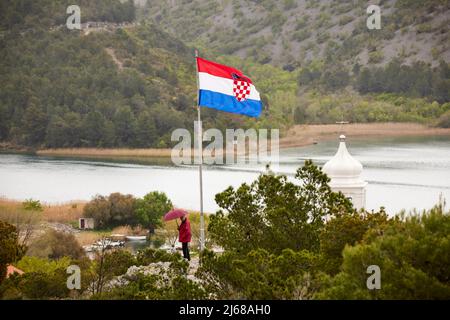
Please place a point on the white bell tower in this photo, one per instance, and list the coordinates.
(345, 174)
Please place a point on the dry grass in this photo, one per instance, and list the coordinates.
(88, 237)
(302, 135)
(125, 230)
(96, 152)
(123, 154)
(7, 206)
(297, 136)
(130, 231)
(13, 212)
(63, 213)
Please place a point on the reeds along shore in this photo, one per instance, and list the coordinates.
(297, 136)
(62, 213)
(96, 152)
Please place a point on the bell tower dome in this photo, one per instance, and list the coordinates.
(345, 174)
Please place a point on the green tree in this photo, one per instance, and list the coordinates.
(93, 128)
(363, 81)
(259, 274)
(412, 256)
(336, 78)
(347, 230)
(43, 279)
(34, 124)
(32, 205)
(106, 265)
(151, 208)
(98, 209)
(10, 249)
(275, 214)
(146, 134)
(300, 115)
(122, 209)
(116, 209)
(57, 132)
(444, 120)
(125, 126)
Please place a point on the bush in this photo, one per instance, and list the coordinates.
(444, 120)
(275, 214)
(32, 205)
(114, 210)
(43, 279)
(345, 19)
(412, 255)
(259, 275)
(301, 35)
(10, 248)
(36, 285)
(54, 245)
(42, 265)
(376, 57)
(151, 209)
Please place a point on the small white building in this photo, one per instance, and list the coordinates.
(345, 174)
(86, 223)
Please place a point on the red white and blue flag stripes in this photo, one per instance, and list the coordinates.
(227, 89)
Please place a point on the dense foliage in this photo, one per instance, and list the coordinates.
(118, 209)
(130, 86)
(412, 255)
(411, 251)
(46, 278)
(24, 14)
(113, 210)
(63, 89)
(150, 209)
(281, 240)
(10, 248)
(54, 245)
(415, 80)
(275, 214)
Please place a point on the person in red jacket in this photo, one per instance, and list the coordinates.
(185, 236)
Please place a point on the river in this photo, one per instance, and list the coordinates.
(403, 173)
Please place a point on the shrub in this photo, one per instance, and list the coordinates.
(151, 209)
(114, 210)
(444, 120)
(54, 245)
(344, 20)
(32, 205)
(376, 57)
(10, 249)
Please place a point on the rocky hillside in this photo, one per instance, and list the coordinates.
(291, 33)
(127, 79)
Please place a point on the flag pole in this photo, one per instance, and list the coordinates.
(200, 167)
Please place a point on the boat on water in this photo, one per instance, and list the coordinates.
(136, 238)
(104, 244)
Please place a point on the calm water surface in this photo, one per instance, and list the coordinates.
(402, 173)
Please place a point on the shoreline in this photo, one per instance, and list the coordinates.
(297, 136)
(305, 135)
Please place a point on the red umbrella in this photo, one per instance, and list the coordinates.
(174, 214)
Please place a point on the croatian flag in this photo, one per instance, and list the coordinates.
(227, 89)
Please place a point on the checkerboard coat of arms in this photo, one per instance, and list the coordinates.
(241, 87)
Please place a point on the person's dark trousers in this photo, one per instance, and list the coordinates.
(186, 251)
